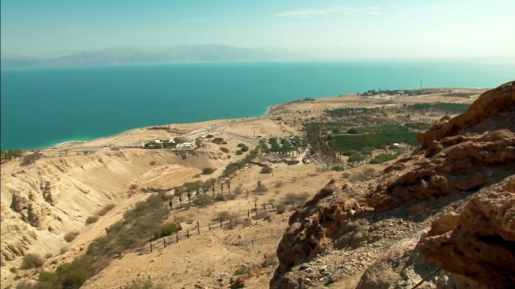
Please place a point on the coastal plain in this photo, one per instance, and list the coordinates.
(50, 193)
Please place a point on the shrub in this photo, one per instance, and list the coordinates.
(209, 136)
(71, 236)
(383, 158)
(30, 158)
(91, 220)
(69, 275)
(203, 201)
(165, 230)
(207, 171)
(266, 170)
(105, 209)
(338, 168)
(225, 150)
(143, 284)
(242, 271)
(224, 215)
(280, 208)
(218, 140)
(152, 163)
(31, 261)
(28, 285)
(369, 172)
(261, 189)
(270, 261)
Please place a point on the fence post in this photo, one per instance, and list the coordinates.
(188, 233)
(209, 226)
(177, 236)
(150, 246)
(248, 213)
(220, 222)
(164, 242)
(198, 228)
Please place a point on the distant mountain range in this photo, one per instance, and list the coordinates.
(134, 55)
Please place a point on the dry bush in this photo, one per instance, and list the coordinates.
(143, 284)
(224, 215)
(152, 163)
(105, 210)
(280, 208)
(203, 201)
(369, 172)
(71, 236)
(31, 261)
(91, 220)
(358, 177)
(261, 214)
(260, 190)
(270, 261)
(246, 222)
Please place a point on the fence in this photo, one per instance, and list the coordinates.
(258, 212)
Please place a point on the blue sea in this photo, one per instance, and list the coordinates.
(42, 107)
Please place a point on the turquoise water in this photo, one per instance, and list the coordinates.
(45, 106)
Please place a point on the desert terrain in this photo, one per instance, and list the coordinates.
(231, 230)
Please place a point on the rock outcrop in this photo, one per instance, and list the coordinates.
(481, 246)
(469, 158)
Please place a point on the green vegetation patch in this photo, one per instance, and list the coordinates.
(338, 168)
(384, 128)
(382, 158)
(207, 171)
(165, 230)
(9, 154)
(357, 142)
(418, 125)
(446, 107)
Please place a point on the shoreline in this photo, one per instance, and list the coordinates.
(267, 112)
(68, 142)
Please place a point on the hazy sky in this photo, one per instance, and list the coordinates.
(347, 29)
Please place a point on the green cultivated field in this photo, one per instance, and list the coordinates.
(384, 128)
(356, 142)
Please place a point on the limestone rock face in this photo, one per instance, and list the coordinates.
(313, 228)
(481, 246)
(469, 158)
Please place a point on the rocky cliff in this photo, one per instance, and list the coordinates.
(454, 196)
